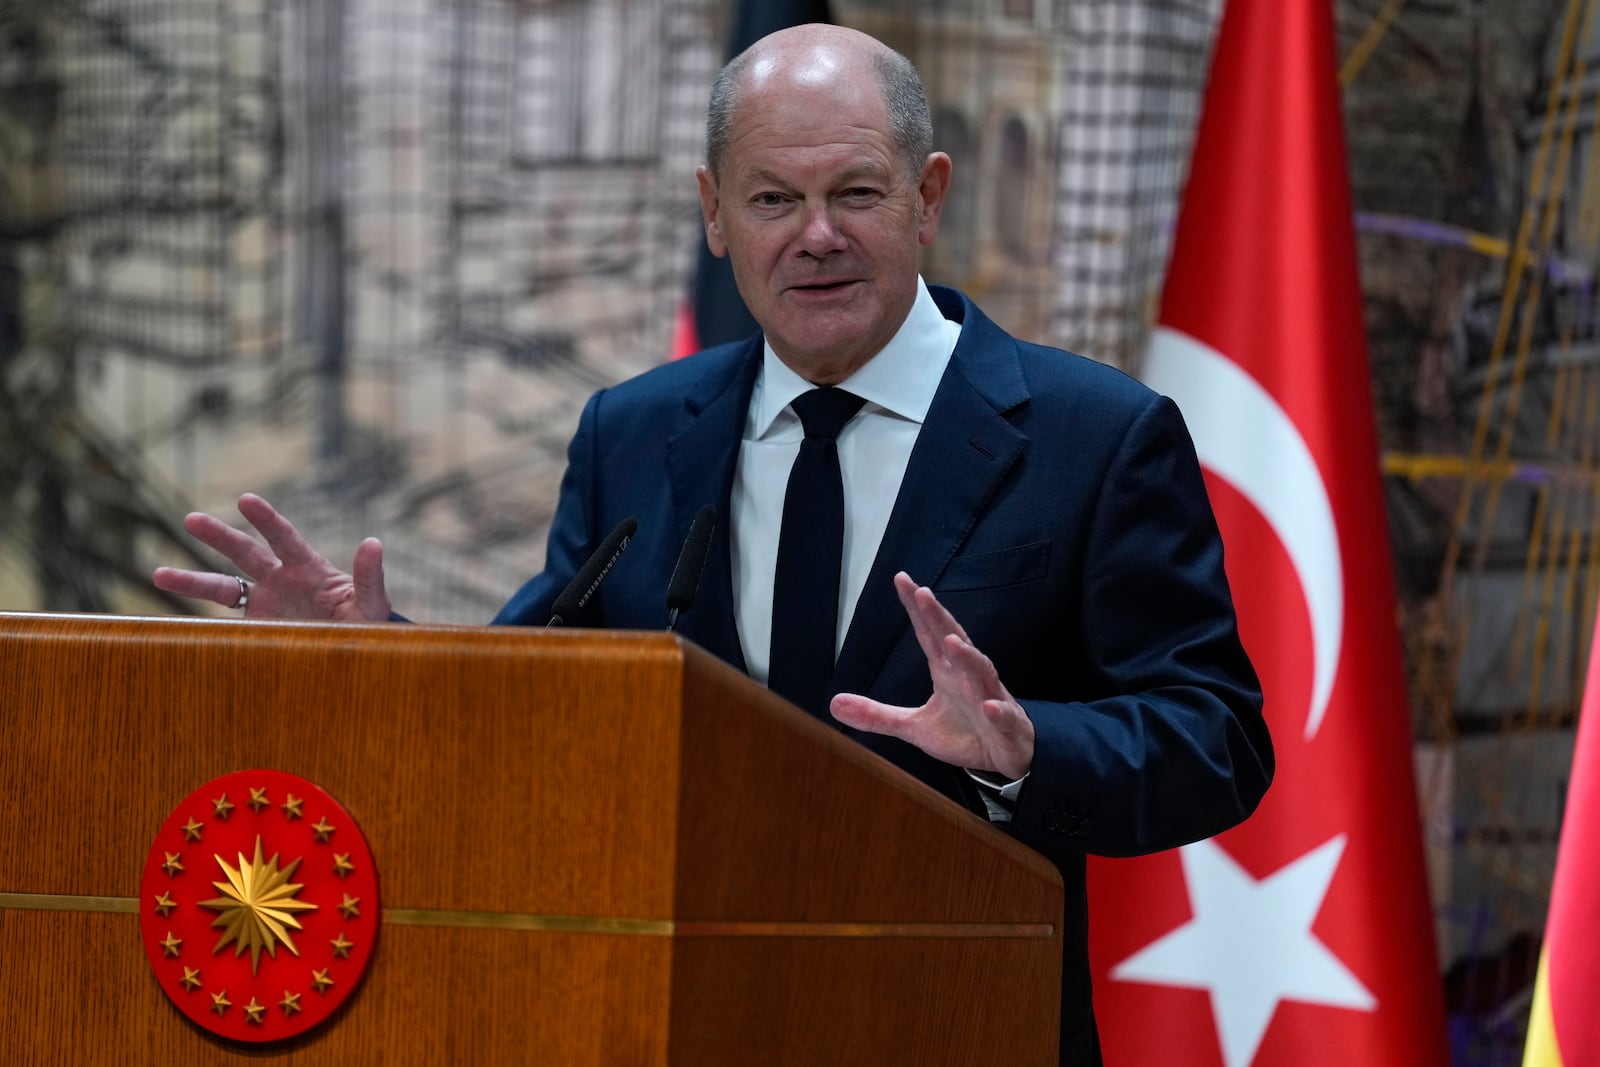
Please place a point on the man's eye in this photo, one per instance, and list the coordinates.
(769, 199)
(860, 194)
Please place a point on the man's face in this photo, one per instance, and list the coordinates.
(821, 218)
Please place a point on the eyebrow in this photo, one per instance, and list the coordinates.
(762, 176)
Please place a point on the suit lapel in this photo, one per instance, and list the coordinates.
(700, 463)
(962, 456)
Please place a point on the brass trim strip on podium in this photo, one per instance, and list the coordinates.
(573, 924)
(498, 920)
(907, 930)
(61, 902)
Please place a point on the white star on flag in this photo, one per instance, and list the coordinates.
(1250, 945)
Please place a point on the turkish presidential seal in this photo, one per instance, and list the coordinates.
(259, 905)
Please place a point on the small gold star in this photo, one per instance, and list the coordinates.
(255, 1010)
(341, 947)
(324, 829)
(220, 1002)
(191, 830)
(165, 904)
(190, 979)
(351, 906)
(258, 800)
(320, 980)
(222, 806)
(291, 807)
(173, 865)
(290, 1002)
(170, 945)
(341, 864)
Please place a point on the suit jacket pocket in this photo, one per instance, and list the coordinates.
(990, 570)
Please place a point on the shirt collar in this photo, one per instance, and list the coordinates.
(900, 379)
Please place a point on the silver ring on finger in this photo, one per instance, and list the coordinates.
(244, 594)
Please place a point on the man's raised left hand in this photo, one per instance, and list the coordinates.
(971, 720)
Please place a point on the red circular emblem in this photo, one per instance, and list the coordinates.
(259, 905)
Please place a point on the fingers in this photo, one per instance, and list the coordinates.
(975, 668)
(931, 622)
(1010, 751)
(202, 585)
(927, 640)
(291, 548)
(242, 550)
(936, 613)
(863, 713)
(372, 601)
(248, 555)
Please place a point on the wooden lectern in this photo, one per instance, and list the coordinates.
(593, 847)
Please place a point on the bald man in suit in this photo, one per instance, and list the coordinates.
(1032, 614)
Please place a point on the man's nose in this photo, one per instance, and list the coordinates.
(820, 235)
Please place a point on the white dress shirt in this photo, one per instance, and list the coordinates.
(874, 447)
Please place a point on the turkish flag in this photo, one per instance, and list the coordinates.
(1304, 936)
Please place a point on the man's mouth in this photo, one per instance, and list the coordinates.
(824, 287)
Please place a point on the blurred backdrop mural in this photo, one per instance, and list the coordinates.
(368, 258)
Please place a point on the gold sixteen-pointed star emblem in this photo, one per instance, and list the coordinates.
(257, 907)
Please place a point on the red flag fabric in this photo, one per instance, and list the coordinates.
(1563, 1030)
(1303, 937)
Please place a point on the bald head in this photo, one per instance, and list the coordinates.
(814, 56)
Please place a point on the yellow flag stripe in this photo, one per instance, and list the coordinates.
(1541, 1049)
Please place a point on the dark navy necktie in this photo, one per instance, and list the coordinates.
(805, 590)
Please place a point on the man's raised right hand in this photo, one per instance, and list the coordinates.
(285, 578)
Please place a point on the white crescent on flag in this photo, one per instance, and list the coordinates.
(1243, 436)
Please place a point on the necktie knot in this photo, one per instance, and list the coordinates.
(823, 412)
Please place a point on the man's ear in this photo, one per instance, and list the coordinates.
(931, 189)
(709, 202)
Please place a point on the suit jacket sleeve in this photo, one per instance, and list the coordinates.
(1169, 745)
(572, 534)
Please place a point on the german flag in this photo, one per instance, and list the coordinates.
(1564, 1029)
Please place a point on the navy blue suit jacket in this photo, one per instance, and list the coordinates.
(1056, 507)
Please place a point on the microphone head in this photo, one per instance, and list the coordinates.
(576, 596)
(691, 561)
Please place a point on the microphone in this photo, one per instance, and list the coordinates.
(691, 561)
(587, 581)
